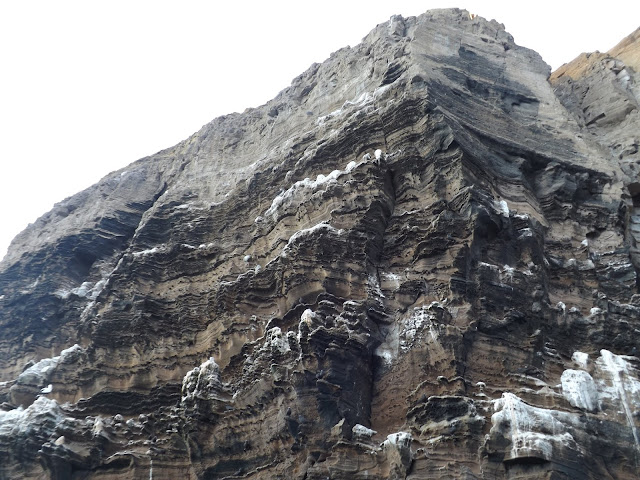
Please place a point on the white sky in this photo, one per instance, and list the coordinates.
(87, 87)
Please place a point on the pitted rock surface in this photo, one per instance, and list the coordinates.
(418, 261)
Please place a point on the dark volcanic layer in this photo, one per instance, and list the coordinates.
(418, 261)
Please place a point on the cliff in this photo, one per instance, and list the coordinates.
(420, 260)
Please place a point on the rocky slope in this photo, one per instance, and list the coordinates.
(420, 260)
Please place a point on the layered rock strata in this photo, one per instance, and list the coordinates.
(415, 262)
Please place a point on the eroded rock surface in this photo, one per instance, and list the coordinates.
(417, 261)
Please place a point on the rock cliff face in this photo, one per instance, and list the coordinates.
(418, 261)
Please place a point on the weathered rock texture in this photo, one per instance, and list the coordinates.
(416, 262)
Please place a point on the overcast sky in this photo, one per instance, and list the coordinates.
(87, 87)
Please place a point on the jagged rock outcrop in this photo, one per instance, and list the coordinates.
(601, 91)
(417, 261)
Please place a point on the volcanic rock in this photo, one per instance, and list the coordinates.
(420, 260)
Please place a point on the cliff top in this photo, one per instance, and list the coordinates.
(628, 50)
